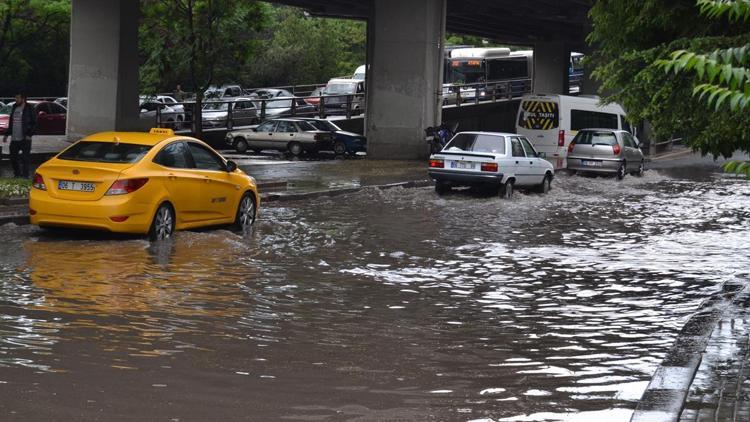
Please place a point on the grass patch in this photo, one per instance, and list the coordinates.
(11, 188)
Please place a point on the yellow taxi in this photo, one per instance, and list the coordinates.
(143, 183)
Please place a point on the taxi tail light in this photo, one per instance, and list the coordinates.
(38, 182)
(616, 149)
(437, 164)
(571, 146)
(489, 167)
(561, 138)
(125, 186)
(119, 218)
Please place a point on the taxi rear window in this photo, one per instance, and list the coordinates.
(105, 152)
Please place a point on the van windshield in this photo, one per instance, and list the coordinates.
(105, 152)
(476, 143)
(538, 115)
(338, 89)
(588, 137)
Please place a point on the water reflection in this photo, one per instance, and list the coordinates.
(464, 307)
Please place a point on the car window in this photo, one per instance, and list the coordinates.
(588, 137)
(305, 126)
(42, 107)
(105, 152)
(204, 159)
(173, 155)
(629, 140)
(286, 127)
(57, 108)
(517, 147)
(238, 106)
(477, 143)
(266, 127)
(530, 151)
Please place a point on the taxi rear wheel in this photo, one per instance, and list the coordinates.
(246, 212)
(162, 226)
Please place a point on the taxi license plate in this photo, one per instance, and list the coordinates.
(591, 163)
(462, 165)
(76, 186)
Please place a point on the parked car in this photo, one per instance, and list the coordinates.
(314, 97)
(225, 91)
(292, 135)
(51, 118)
(282, 107)
(144, 183)
(606, 151)
(343, 142)
(338, 92)
(497, 160)
(169, 116)
(216, 114)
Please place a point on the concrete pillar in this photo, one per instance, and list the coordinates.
(551, 63)
(103, 79)
(405, 51)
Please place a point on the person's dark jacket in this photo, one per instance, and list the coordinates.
(28, 118)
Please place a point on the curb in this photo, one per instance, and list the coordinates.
(23, 218)
(665, 395)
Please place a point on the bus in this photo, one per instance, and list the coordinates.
(550, 122)
(487, 66)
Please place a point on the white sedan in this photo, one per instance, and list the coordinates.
(499, 160)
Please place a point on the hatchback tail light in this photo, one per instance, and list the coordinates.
(437, 164)
(489, 167)
(38, 182)
(561, 138)
(616, 149)
(125, 186)
(571, 146)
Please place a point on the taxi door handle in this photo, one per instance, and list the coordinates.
(172, 176)
(207, 180)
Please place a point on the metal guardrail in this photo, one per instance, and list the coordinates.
(493, 91)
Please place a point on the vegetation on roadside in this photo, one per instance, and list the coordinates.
(12, 188)
(631, 38)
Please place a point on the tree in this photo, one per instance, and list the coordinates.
(631, 36)
(205, 40)
(34, 49)
(298, 49)
(722, 78)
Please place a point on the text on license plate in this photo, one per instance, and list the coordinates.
(462, 165)
(77, 186)
(591, 163)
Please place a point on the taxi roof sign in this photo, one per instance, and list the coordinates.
(161, 131)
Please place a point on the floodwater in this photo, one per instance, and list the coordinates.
(381, 305)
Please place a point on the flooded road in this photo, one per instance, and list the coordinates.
(380, 305)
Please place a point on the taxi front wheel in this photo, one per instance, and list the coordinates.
(246, 211)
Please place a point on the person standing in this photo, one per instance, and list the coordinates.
(179, 94)
(21, 125)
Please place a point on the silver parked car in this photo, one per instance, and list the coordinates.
(292, 135)
(606, 151)
(216, 114)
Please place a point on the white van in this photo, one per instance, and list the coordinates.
(360, 73)
(550, 122)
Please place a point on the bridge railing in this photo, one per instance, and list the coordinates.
(234, 113)
(492, 91)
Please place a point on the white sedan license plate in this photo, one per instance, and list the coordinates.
(76, 186)
(462, 165)
(591, 163)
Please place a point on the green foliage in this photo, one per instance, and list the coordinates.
(205, 42)
(734, 9)
(635, 39)
(34, 46)
(13, 188)
(738, 167)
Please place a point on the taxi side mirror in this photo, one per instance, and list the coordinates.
(231, 166)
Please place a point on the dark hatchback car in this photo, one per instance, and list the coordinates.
(344, 142)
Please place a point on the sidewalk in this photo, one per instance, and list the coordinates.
(721, 388)
(706, 374)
